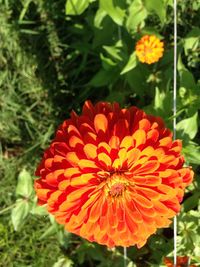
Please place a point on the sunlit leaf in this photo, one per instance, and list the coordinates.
(19, 213)
(131, 264)
(188, 126)
(192, 40)
(137, 13)
(25, 184)
(192, 153)
(159, 99)
(113, 10)
(107, 62)
(51, 230)
(76, 7)
(39, 210)
(186, 77)
(157, 6)
(63, 262)
(169, 2)
(114, 51)
(131, 64)
(100, 15)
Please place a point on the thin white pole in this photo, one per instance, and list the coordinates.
(175, 241)
(174, 114)
(175, 69)
(188, 264)
(125, 249)
(125, 256)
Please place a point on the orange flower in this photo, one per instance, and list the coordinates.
(182, 261)
(149, 49)
(113, 175)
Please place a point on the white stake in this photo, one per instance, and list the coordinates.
(174, 114)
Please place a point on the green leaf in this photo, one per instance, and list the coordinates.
(196, 258)
(157, 6)
(151, 31)
(113, 10)
(76, 7)
(102, 36)
(169, 3)
(192, 40)
(25, 184)
(118, 96)
(159, 99)
(136, 78)
(25, 9)
(38, 210)
(188, 126)
(191, 202)
(131, 64)
(192, 153)
(100, 15)
(131, 264)
(63, 262)
(186, 77)
(51, 230)
(114, 51)
(137, 13)
(104, 77)
(107, 63)
(89, 250)
(19, 213)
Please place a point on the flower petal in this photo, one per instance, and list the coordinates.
(90, 151)
(140, 137)
(100, 123)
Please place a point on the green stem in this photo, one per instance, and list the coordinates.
(7, 208)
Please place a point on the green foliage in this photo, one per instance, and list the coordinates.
(20, 213)
(63, 262)
(137, 14)
(113, 9)
(76, 7)
(53, 56)
(24, 186)
(157, 6)
(189, 229)
(188, 127)
(23, 205)
(192, 153)
(132, 62)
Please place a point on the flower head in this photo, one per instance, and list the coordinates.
(149, 49)
(182, 261)
(113, 175)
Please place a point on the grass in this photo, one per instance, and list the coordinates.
(27, 121)
(24, 248)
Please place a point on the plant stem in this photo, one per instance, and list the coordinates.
(7, 208)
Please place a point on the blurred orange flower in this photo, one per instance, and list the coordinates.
(149, 49)
(113, 175)
(182, 261)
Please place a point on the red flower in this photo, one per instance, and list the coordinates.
(113, 175)
(182, 261)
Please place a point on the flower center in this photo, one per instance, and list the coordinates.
(115, 185)
(148, 50)
(117, 189)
